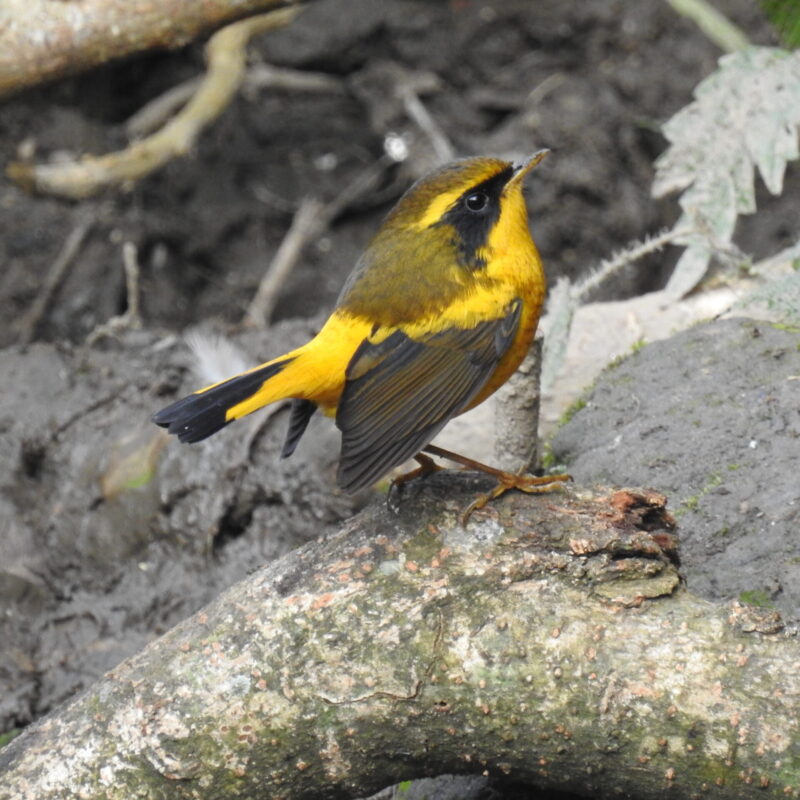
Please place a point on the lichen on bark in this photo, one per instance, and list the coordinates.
(550, 641)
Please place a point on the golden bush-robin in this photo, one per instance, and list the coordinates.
(439, 311)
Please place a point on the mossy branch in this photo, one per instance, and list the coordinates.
(550, 642)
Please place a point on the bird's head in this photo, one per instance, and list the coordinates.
(451, 229)
(478, 202)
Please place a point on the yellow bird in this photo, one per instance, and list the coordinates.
(438, 313)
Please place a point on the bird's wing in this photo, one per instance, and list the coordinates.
(399, 393)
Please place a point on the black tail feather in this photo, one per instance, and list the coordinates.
(197, 416)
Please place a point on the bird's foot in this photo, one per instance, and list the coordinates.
(531, 484)
(427, 466)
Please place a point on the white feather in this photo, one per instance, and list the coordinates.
(216, 357)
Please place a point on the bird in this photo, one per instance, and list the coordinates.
(438, 313)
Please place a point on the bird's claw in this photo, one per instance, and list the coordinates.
(530, 484)
(427, 466)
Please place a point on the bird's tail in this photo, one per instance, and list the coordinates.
(203, 413)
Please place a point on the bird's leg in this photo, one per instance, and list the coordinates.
(532, 484)
(426, 467)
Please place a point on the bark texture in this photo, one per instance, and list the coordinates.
(516, 415)
(550, 641)
(41, 40)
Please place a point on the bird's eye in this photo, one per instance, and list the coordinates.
(476, 202)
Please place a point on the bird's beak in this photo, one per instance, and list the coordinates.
(525, 167)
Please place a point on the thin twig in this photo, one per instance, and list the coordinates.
(58, 272)
(305, 227)
(132, 317)
(363, 182)
(565, 298)
(153, 115)
(633, 252)
(310, 221)
(543, 88)
(130, 263)
(391, 92)
(226, 53)
(417, 111)
(267, 76)
(158, 111)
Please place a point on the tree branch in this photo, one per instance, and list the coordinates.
(41, 40)
(226, 52)
(516, 415)
(550, 642)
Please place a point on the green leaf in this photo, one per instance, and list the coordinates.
(785, 16)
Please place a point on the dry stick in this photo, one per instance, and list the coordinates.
(267, 76)
(417, 111)
(305, 226)
(132, 317)
(58, 272)
(226, 70)
(130, 263)
(157, 112)
(311, 219)
(153, 115)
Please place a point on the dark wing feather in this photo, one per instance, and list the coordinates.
(401, 392)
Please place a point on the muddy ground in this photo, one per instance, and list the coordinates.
(109, 536)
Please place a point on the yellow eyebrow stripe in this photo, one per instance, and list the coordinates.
(437, 209)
